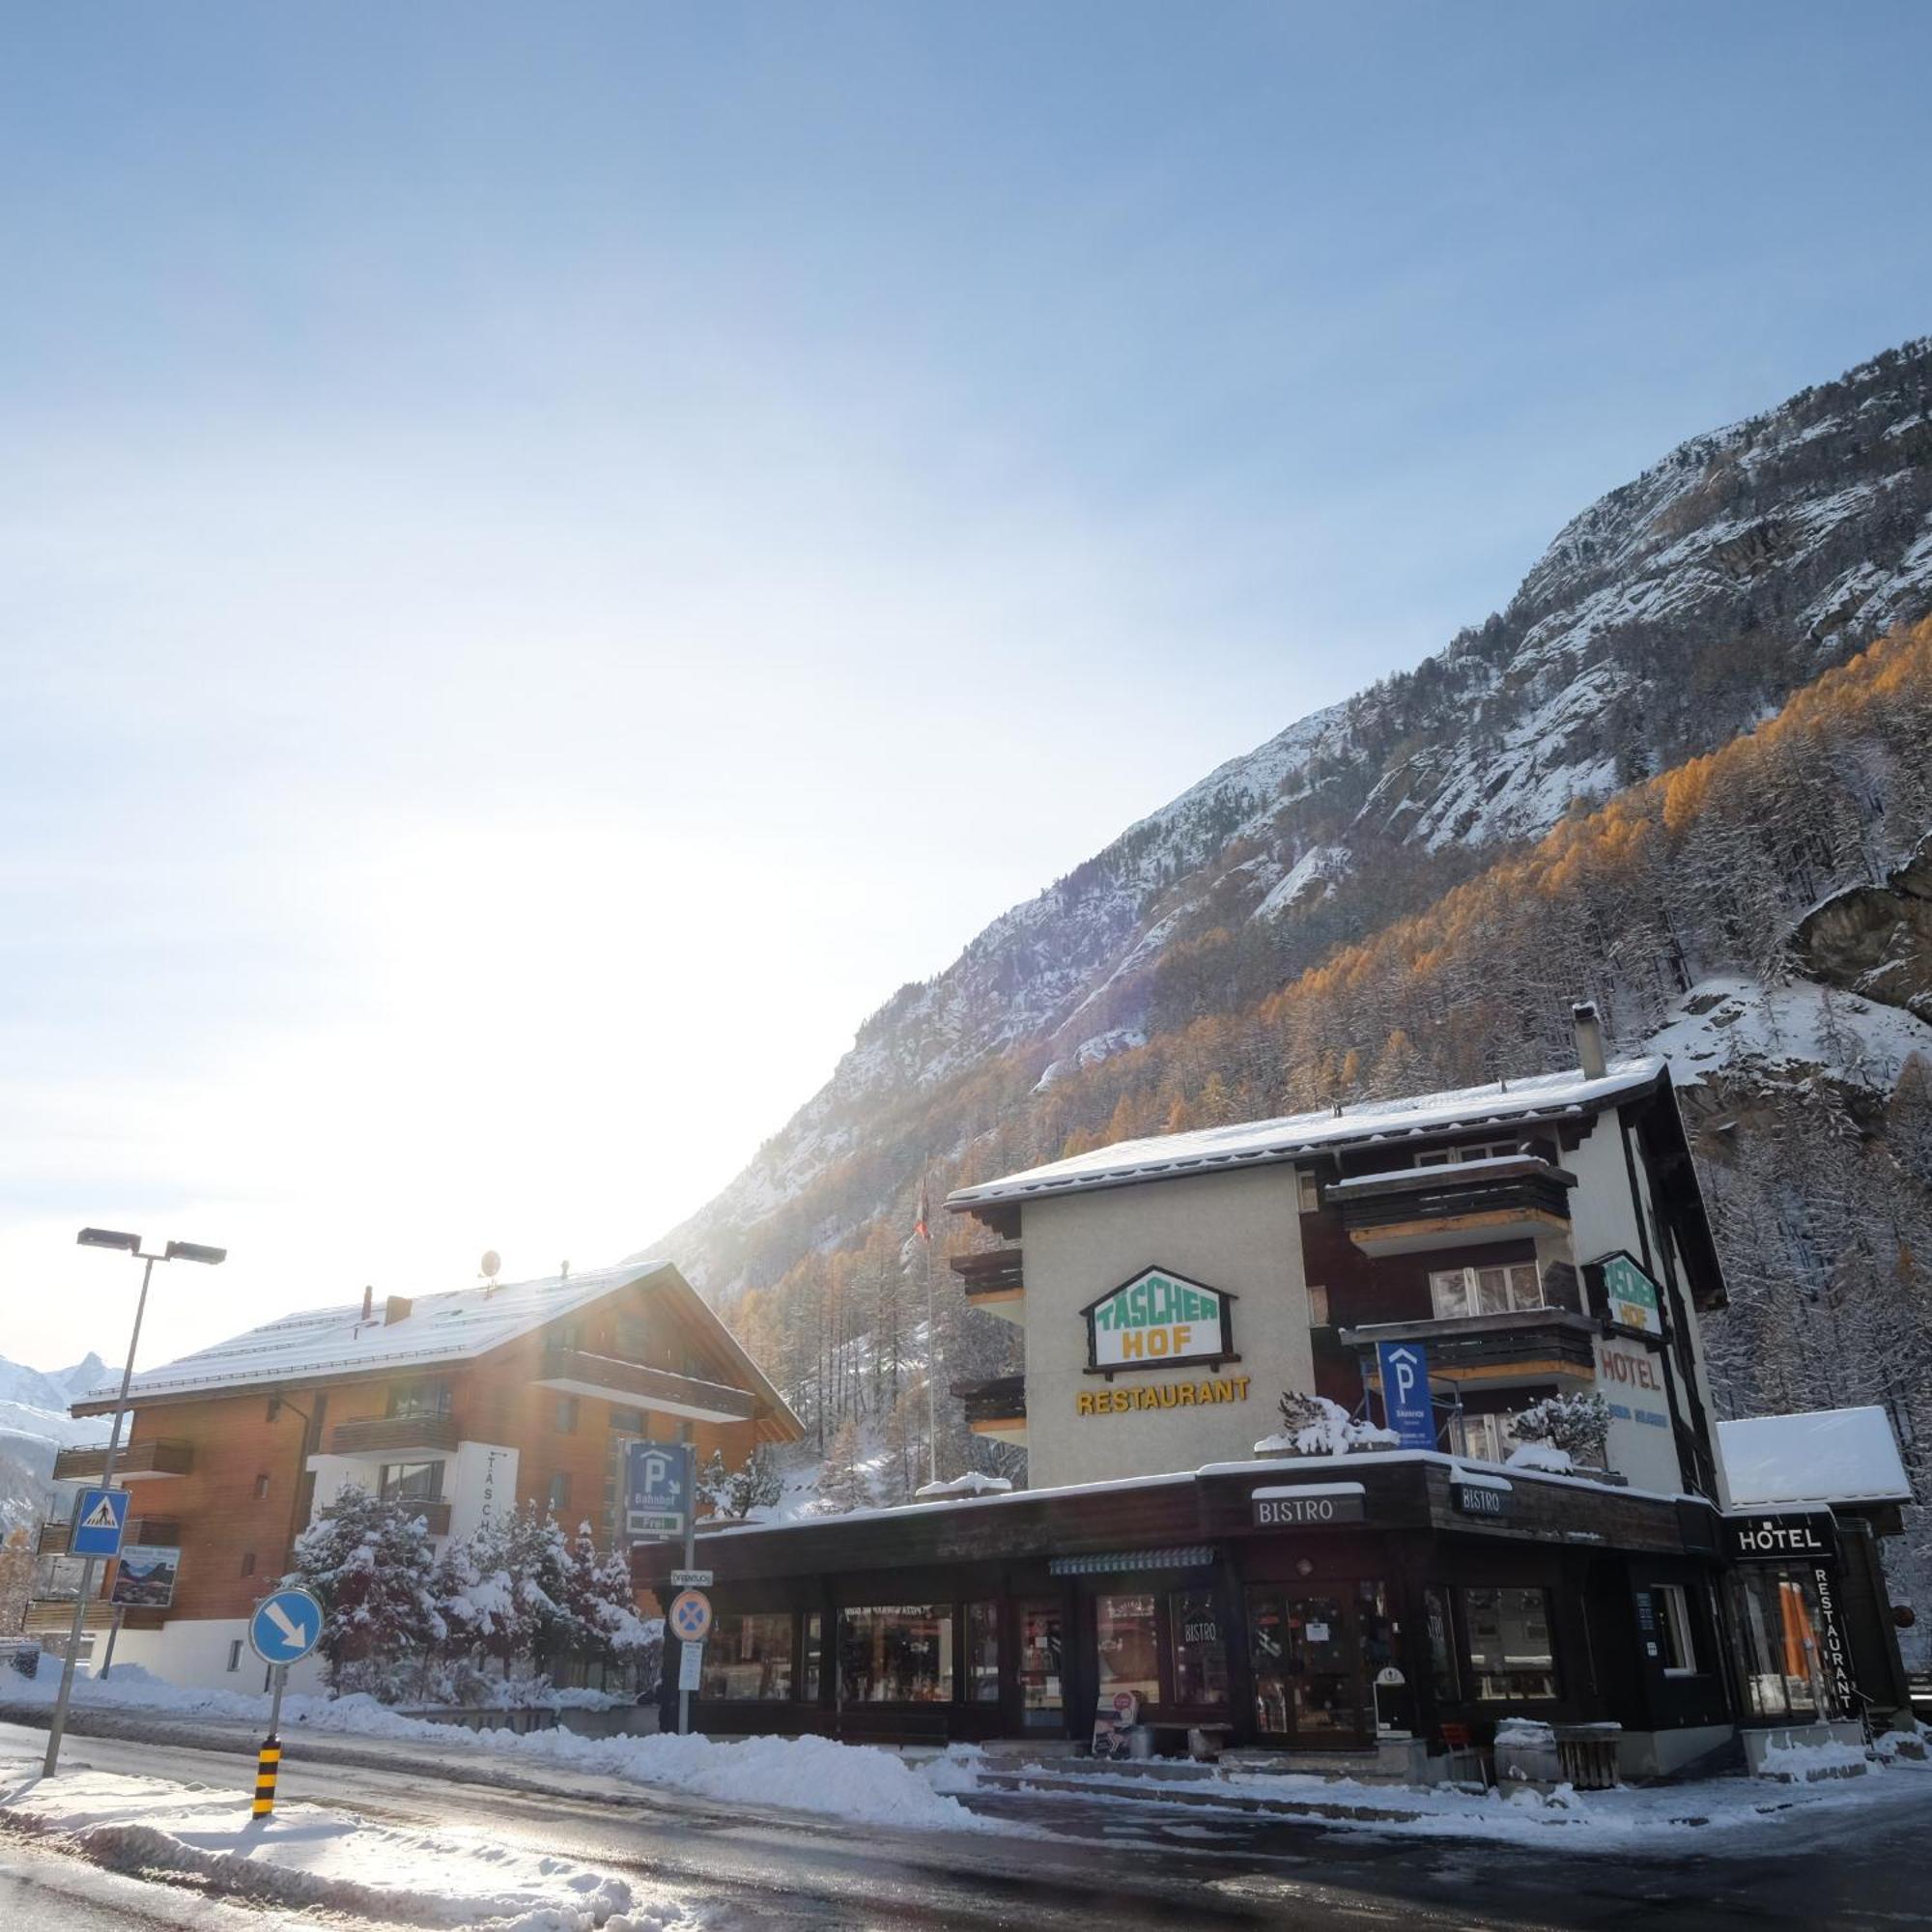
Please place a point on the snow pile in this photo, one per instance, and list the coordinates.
(1544, 1456)
(1788, 1758)
(1315, 1426)
(974, 1482)
(312, 1856)
(858, 1782)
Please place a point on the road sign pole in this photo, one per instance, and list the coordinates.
(59, 1723)
(113, 1637)
(268, 1760)
(690, 1563)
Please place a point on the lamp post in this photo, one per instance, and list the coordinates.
(175, 1251)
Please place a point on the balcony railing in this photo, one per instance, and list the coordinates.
(136, 1461)
(1528, 1345)
(52, 1537)
(1467, 1202)
(433, 1511)
(632, 1385)
(995, 1406)
(993, 1280)
(394, 1437)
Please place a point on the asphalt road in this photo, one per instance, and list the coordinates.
(1116, 1865)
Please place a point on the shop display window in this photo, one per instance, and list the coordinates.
(748, 1657)
(1512, 1653)
(1779, 1617)
(1200, 1649)
(811, 1674)
(1128, 1643)
(896, 1654)
(1444, 1679)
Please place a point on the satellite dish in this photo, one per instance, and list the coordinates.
(491, 1263)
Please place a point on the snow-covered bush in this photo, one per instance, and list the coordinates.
(757, 1483)
(1311, 1424)
(1579, 1425)
(371, 1565)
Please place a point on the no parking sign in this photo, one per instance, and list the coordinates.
(691, 1616)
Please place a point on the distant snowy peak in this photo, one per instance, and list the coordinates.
(34, 1388)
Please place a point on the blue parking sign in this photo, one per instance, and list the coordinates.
(99, 1519)
(1406, 1402)
(657, 1488)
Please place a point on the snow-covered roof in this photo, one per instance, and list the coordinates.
(1257, 1143)
(455, 1326)
(1824, 1456)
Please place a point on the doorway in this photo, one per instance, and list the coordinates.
(1313, 1649)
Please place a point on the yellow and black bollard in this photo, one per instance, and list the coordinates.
(267, 1766)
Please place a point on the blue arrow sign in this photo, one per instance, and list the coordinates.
(98, 1518)
(285, 1627)
(1405, 1368)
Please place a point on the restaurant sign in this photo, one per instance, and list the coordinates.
(1787, 1536)
(1157, 1320)
(1309, 1505)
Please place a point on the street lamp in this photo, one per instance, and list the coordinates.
(175, 1251)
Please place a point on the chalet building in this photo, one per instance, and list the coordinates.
(466, 1402)
(1434, 1264)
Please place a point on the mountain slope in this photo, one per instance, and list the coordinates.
(1668, 616)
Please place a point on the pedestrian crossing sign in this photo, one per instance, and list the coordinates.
(98, 1518)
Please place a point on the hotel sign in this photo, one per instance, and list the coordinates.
(1158, 1320)
(1630, 1295)
(1789, 1536)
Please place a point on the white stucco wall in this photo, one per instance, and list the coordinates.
(1238, 1233)
(193, 1654)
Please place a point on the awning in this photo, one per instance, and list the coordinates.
(1110, 1562)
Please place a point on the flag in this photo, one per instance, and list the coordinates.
(923, 1227)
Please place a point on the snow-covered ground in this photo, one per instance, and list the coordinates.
(856, 1783)
(1727, 1024)
(315, 1856)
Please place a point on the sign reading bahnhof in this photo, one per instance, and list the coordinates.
(1158, 1320)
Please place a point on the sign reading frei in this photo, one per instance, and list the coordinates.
(1157, 1320)
(1632, 1295)
(1404, 1377)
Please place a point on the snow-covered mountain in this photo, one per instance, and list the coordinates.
(34, 1422)
(1668, 616)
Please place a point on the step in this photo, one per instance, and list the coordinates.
(1205, 1790)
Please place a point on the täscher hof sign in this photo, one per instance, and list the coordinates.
(1158, 1320)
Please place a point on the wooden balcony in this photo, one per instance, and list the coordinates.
(1463, 1204)
(137, 1461)
(395, 1438)
(993, 1280)
(1526, 1346)
(632, 1385)
(52, 1537)
(433, 1511)
(995, 1407)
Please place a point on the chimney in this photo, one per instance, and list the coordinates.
(396, 1309)
(1589, 1039)
(368, 1302)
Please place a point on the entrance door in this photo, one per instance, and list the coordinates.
(1307, 1666)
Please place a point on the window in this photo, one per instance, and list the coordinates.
(686, 1432)
(1200, 1650)
(815, 1656)
(419, 1399)
(234, 1653)
(982, 1653)
(897, 1654)
(628, 1421)
(749, 1656)
(260, 1488)
(1511, 1654)
(1040, 1665)
(559, 1490)
(247, 1563)
(1129, 1646)
(1442, 1646)
(411, 1482)
(1483, 1439)
(1477, 1150)
(633, 1339)
(1317, 1306)
(1308, 1191)
(1485, 1290)
(1777, 1616)
(1675, 1640)
(566, 1415)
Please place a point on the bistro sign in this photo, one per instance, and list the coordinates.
(1297, 1509)
(1790, 1536)
(1157, 1320)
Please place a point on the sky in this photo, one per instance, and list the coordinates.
(552, 557)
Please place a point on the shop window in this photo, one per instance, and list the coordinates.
(1442, 1646)
(1040, 1703)
(1200, 1650)
(418, 1399)
(411, 1482)
(1676, 1640)
(1127, 1644)
(1303, 1652)
(1512, 1656)
(1485, 1290)
(749, 1656)
(811, 1676)
(898, 1654)
(982, 1653)
(1777, 1617)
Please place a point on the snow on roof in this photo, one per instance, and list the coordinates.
(1825, 1455)
(451, 1327)
(1256, 1143)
